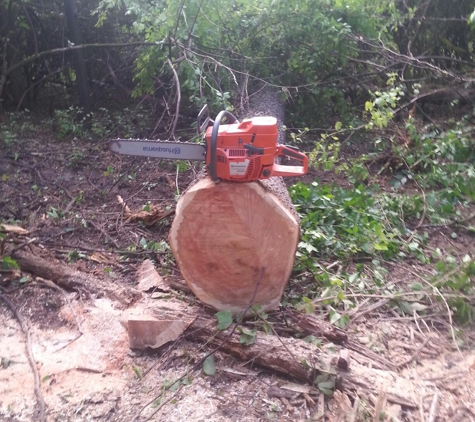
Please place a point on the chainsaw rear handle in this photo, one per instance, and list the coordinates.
(214, 142)
(281, 170)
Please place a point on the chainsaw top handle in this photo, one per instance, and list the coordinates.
(214, 141)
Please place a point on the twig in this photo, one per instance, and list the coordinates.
(411, 347)
(438, 293)
(31, 359)
(421, 409)
(380, 403)
(73, 48)
(120, 252)
(26, 243)
(176, 181)
(433, 408)
(114, 242)
(278, 337)
(54, 286)
(354, 410)
(178, 94)
(371, 308)
(399, 295)
(415, 355)
(200, 362)
(419, 224)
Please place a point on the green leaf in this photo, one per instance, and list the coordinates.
(308, 247)
(247, 336)
(137, 371)
(209, 367)
(267, 328)
(8, 262)
(175, 386)
(225, 319)
(410, 307)
(416, 287)
(418, 306)
(325, 384)
(367, 247)
(308, 305)
(337, 125)
(334, 316)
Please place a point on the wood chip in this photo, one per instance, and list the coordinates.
(344, 359)
(147, 331)
(7, 228)
(309, 400)
(124, 205)
(277, 392)
(299, 388)
(234, 372)
(343, 401)
(149, 278)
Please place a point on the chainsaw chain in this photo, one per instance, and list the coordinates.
(159, 140)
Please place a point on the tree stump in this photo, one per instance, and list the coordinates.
(224, 234)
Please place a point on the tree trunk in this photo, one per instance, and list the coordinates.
(78, 56)
(235, 242)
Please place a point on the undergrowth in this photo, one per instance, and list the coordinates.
(362, 233)
(71, 123)
(353, 237)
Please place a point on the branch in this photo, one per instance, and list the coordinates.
(178, 94)
(74, 48)
(31, 359)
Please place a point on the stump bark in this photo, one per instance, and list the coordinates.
(225, 234)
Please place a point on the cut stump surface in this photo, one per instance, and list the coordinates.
(224, 234)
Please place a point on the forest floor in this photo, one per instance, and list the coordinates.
(65, 195)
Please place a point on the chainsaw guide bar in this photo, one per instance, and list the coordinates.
(159, 149)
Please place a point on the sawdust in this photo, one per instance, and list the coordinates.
(97, 377)
(73, 370)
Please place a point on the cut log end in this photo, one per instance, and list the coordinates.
(222, 237)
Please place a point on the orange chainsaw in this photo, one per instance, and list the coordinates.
(236, 151)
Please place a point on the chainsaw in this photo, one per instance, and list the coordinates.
(236, 151)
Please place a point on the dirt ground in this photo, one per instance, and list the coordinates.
(65, 193)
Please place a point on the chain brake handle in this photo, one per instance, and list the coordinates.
(281, 170)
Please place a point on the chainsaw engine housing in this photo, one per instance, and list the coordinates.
(245, 151)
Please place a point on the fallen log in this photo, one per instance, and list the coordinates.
(68, 279)
(289, 357)
(224, 234)
(311, 325)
